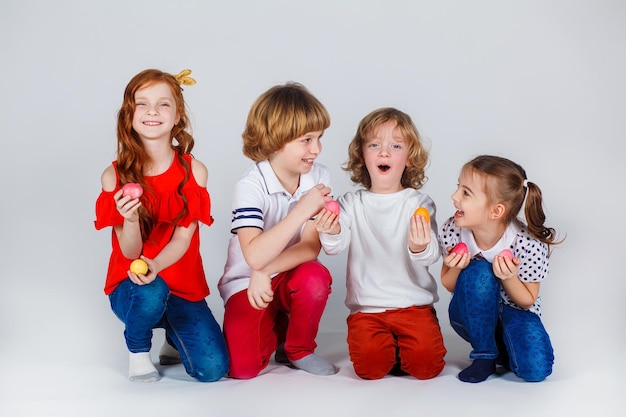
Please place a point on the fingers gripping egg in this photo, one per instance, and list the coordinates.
(139, 266)
(460, 248)
(333, 207)
(132, 189)
(421, 211)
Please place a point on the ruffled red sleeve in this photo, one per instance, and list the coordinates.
(106, 212)
(198, 205)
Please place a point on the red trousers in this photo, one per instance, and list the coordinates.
(409, 339)
(292, 317)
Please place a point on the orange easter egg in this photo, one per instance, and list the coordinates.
(421, 211)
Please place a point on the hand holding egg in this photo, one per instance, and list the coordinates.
(458, 257)
(505, 265)
(460, 248)
(333, 207)
(132, 189)
(421, 211)
(139, 267)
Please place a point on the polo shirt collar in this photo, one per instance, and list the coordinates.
(273, 185)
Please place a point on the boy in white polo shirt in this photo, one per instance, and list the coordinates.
(274, 289)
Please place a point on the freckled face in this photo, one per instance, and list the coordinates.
(155, 112)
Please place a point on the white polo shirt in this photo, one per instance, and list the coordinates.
(260, 200)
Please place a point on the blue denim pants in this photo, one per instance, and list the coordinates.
(515, 337)
(190, 326)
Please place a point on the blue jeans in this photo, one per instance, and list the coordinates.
(190, 326)
(495, 330)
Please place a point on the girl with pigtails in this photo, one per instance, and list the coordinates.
(494, 264)
(160, 227)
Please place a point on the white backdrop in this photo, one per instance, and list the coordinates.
(540, 82)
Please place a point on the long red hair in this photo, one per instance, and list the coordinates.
(131, 155)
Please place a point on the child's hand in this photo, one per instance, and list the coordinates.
(260, 293)
(141, 279)
(127, 206)
(314, 200)
(327, 222)
(456, 260)
(419, 234)
(505, 267)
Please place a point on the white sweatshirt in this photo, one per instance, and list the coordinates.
(382, 274)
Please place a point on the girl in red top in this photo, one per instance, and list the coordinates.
(160, 227)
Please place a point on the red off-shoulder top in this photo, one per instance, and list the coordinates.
(186, 277)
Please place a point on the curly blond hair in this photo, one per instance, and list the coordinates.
(413, 175)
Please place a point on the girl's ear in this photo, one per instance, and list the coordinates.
(497, 211)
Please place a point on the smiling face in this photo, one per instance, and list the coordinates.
(385, 153)
(296, 157)
(155, 112)
(471, 202)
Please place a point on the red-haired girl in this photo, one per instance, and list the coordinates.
(161, 227)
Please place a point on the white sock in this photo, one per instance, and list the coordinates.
(168, 355)
(141, 368)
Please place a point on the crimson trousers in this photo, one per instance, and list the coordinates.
(293, 317)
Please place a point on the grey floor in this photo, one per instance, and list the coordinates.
(57, 365)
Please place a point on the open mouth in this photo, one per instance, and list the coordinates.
(459, 213)
(384, 168)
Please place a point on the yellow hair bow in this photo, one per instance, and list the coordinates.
(183, 77)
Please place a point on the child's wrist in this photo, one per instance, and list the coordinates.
(418, 250)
